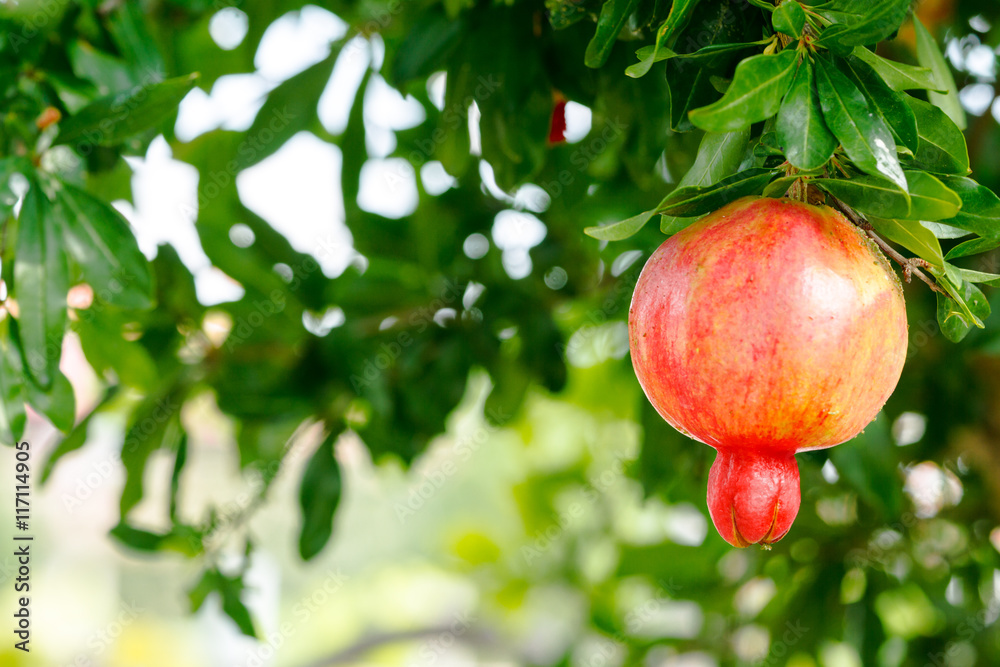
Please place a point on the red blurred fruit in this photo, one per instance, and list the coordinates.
(767, 328)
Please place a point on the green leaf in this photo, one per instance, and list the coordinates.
(945, 231)
(881, 19)
(980, 211)
(319, 496)
(289, 109)
(355, 152)
(991, 279)
(232, 605)
(41, 282)
(930, 199)
(113, 119)
(969, 307)
(871, 195)
(899, 76)
(155, 424)
(77, 437)
(777, 188)
(972, 247)
(789, 18)
(58, 403)
(618, 231)
(614, 15)
(677, 20)
(12, 394)
(956, 316)
(911, 235)
(883, 99)
(103, 245)
(128, 28)
(230, 589)
(941, 147)
(695, 201)
(135, 538)
(755, 94)
(865, 137)
(719, 155)
(180, 459)
(687, 90)
(801, 132)
(706, 56)
(930, 56)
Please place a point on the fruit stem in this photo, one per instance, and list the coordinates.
(911, 266)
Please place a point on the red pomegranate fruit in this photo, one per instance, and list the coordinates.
(767, 328)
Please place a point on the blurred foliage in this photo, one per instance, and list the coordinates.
(869, 574)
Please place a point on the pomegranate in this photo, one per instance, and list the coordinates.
(767, 328)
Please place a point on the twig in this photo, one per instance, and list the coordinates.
(911, 265)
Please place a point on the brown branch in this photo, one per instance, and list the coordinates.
(910, 265)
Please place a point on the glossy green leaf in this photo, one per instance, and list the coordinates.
(911, 235)
(789, 18)
(101, 242)
(618, 231)
(801, 131)
(879, 21)
(719, 155)
(707, 55)
(871, 195)
(614, 14)
(113, 119)
(930, 199)
(41, 282)
(700, 200)
(973, 247)
(677, 20)
(980, 211)
(319, 495)
(966, 308)
(883, 99)
(991, 279)
(899, 76)
(941, 147)
(756, 92)
(930, 56)
(945, 231)
(865, 137)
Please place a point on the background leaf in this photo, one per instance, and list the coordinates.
(614, 13)
(41, 281)
(113, 119)
(102, 244)
(319, 496)
(930, 57)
